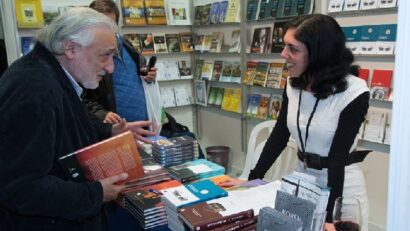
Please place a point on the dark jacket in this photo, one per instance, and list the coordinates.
(100, 101)
(41, 119)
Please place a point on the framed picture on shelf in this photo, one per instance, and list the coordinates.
(200, 92)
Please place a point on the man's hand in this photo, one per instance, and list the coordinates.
(137, 128)
(151, 76)
(112, 118)
(110, 189)
(230, 183)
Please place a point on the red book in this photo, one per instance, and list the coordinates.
(364, 74)
(380, 84)
(109, 157)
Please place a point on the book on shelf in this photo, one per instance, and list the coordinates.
(253, 103)
(252, 9)
(232, 100)
(183, 95)
(335, 6)
(223, 7)
(206, 43)
(226, 100)
(198, 14)
(219, 96)
(236, 72)
(198, 40)
(260, 40)
(213, 15)
(351, 5)
(212, 95)
(155, 12)
(387, 130)
(133, 12)
(364, 74)
(206, 14)
(217, 71)
(287, 5)
(107, 158)
(264, 8)
(235, 45)
(226, 71)
(388, 4)
(274, 75)
(261, 74)
(249, 72)
(380, 84)
(29, 13)
(274, 8)
(198, 68)
(27, 44)
(186, 41)
(386, 39)
(274, 106)
(375, 124)
(184, 68)
(178, 12)
(160, 45)
(134, 40)
(172, 41)
(271, 219)
(207, 70)
(200, 92)
(216, 42)
(168, 96)
(147, 43)
(263, 107)
(277, 37)
(233, 11)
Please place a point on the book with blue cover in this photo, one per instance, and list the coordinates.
(192, 193)
(195, 170)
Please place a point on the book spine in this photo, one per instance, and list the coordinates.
(225, 220)
(238, 225)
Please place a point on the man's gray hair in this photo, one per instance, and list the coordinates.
(77, 25)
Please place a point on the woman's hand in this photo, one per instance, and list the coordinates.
(230, 183)
(329, 227)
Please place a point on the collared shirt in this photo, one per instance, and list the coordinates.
(78, 89)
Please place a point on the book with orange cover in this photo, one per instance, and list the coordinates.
(29, 13)
(109, 157)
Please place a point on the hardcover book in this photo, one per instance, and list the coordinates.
(133, 12)
(238, 225)
(29, 13)
(109, 157)
(252, 9)
(155, 12)
(380, 84)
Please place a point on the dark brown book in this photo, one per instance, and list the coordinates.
(238, 225)
(109, 157)
(210, 215)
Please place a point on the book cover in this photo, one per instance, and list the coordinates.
(29, 13)
(172, 41)
(274, 75)
(134, 39)
(216, 74)
(364, 74)
(179, 12)
(274, 8)
(236, 72)
(207, 70)
(277, 37)
(263, 7)
(205, 14)
(27, 44)
(133, 12)
(219, 96)
(223, 7)
(155, 12)
(238, 225)
(214, 13)
(259, 40)
(192, 193)
(186, 40)
(206, 43)
(109, 157)
(226, 71)
(233, 11)
(160, 45)
(252, 9)
(263, 107)
(226, 100)
(212, 95)
(249, 72)
(272, 219)
(147, 43)
(253, 103)
(216, 42)
(198, 68)
(198, 14)
(200, 92)
(184, 68)
(380, 84)
(274, 106)
(195, 170)
(235, 45)
(199, 39)
(296, 207)
(168, 96)
(261, 74)
(183, 95)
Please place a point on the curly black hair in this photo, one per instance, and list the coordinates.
(329, 61)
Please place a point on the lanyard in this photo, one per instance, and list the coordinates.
(303, 145)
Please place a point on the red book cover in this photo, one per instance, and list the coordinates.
(380, 84)
(364, 74)
(109, 157)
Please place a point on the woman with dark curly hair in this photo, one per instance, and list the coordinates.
(324, 104)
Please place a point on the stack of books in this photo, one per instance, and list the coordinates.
(185, 195)
(174, 151)
(146, 206)
(195, 170)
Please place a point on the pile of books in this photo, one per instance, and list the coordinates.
(195, 170)
(174, 151)
(185, 195)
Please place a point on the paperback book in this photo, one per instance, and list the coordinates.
(195, 170)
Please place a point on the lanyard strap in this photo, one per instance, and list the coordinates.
(303, 145)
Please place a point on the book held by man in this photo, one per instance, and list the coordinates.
(109, 157)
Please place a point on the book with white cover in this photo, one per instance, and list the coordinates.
(178, 12)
